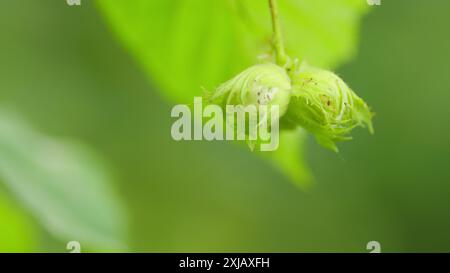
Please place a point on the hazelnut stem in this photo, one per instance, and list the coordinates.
(278, 42)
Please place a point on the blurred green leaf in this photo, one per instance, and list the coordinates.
(287, 158)
(65, 186)
(185, 45)
(322, 32)
(16, 231)
(189, 44)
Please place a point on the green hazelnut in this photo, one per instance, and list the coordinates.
(322, 103)
(262, 84)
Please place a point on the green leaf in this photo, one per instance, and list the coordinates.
(321, 32)
(16, 231)
(287, 158)
(63, 184)
(185, 45)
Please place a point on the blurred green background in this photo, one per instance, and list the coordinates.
(63, 70)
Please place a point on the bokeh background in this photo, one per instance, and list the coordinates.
(63, 70)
